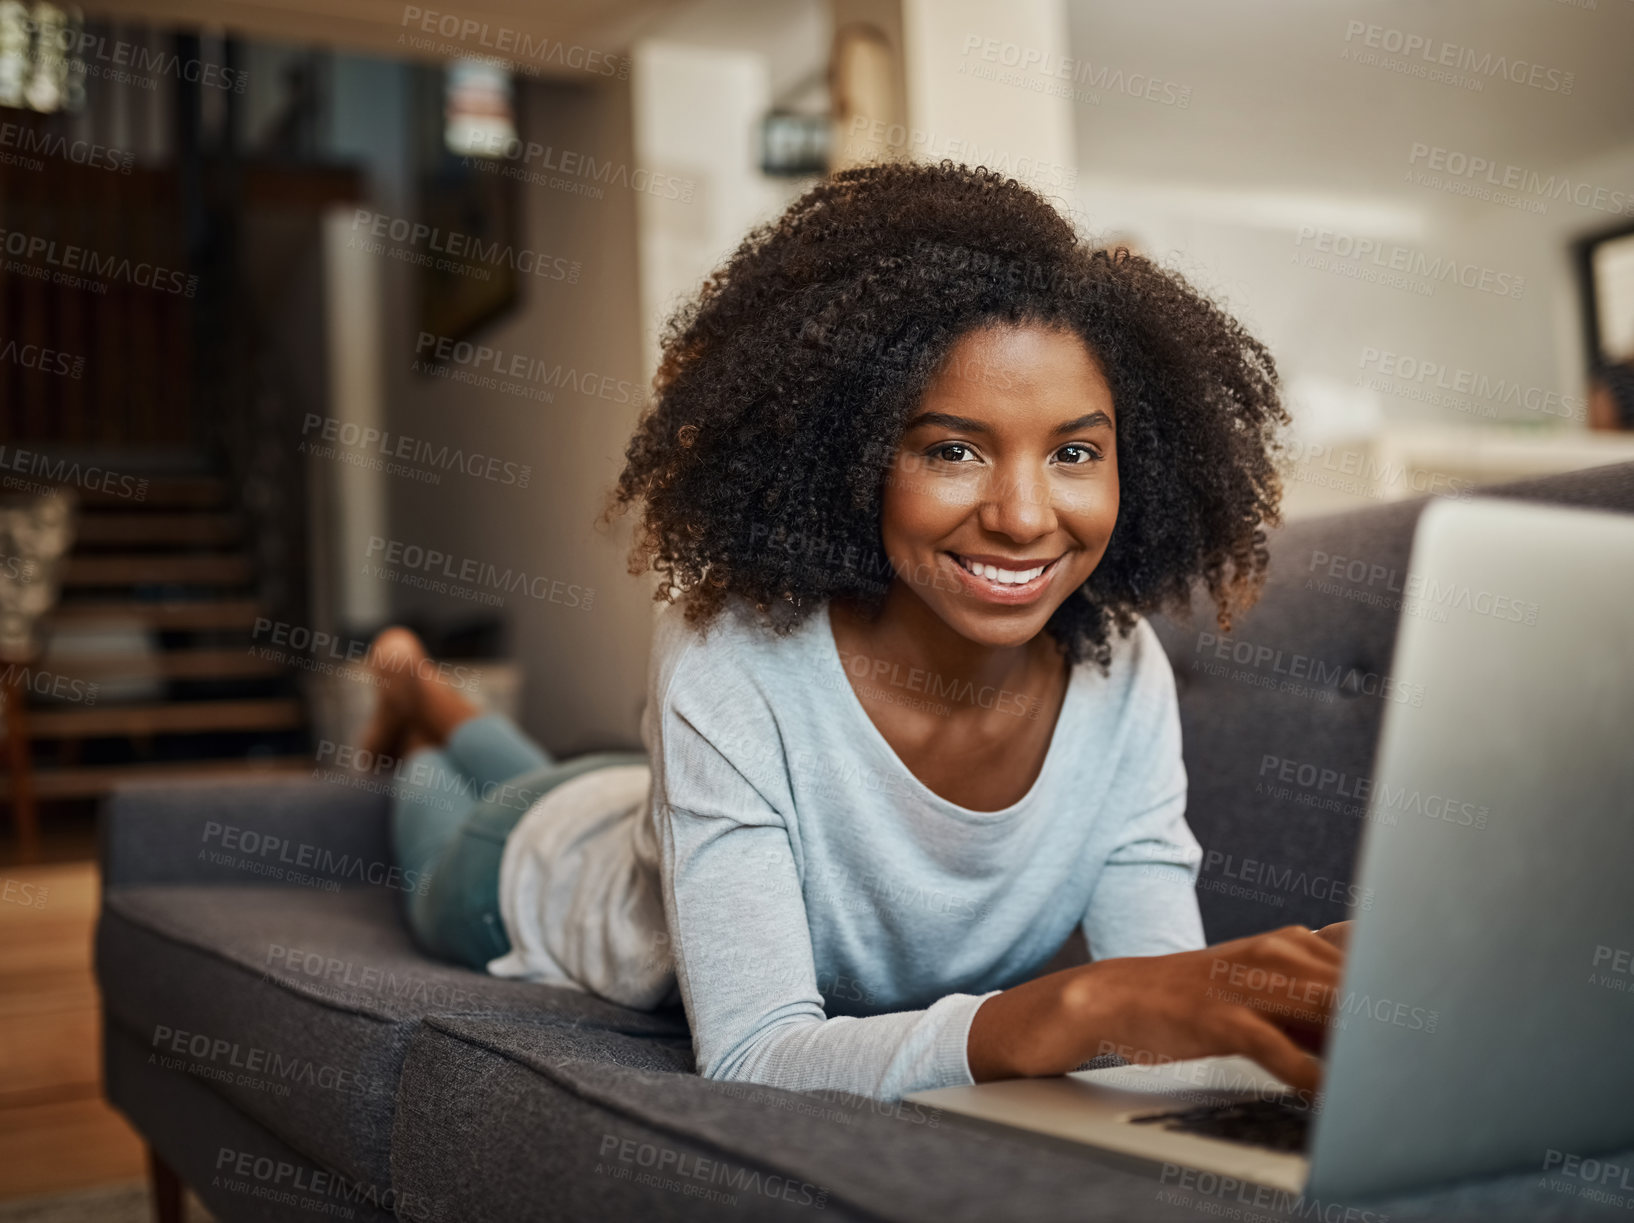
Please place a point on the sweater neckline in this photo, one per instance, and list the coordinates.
(829, 648)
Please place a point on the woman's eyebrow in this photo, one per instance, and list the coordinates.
(1092, 421)
(965, 424)
(946, 420)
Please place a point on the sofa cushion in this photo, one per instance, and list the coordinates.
(1281, 716)
(1279, 719)
(297, 1005)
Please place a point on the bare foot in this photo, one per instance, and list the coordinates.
(394, 661)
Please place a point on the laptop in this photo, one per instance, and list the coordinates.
(1485, 1022)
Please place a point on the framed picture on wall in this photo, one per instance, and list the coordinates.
(1606, 274)
(1606, 265)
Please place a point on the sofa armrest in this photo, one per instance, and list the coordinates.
(254, 831)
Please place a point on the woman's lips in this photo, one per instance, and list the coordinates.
(1006, 593)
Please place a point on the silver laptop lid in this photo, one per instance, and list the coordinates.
(1486, 1020)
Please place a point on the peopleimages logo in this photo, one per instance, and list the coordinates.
(1437, 382)
(42, 360)
(360, 444)
(697, 1176)
(1286, 879)
(1420, 588)
(65, 258)
(281, 1183)
(510, 42)
(414, 560)
(1305, 458)
(1047, 72)
(1253, 1197)
(61, 471)
(606, 173)
(29, 895)
(52, 144)
(46, 683)
(464, 249)
(1392, 800)
(1322, 675)
(110, 58)
(479, 360)
(935, 146)
(1411, 262)
(1443, 54)
(1482, 178)
(280, 853)
(218, 1058)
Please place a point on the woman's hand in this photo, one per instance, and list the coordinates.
(1338, 934)
(1266, 997)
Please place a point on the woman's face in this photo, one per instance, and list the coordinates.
(1004, 490)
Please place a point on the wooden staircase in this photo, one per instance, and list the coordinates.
(158, 611)
(163, 591)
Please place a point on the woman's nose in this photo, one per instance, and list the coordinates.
(1017, 504)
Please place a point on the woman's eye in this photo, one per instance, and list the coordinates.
(949, 452)
(1081, 454)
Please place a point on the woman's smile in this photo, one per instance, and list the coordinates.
(1000, 579)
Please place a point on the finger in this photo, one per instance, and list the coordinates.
(1337, 933)
(1278, 975)
(1288, 957)
(1286, 980)
(1308, 1018)
(1310, 942)
(1261, 1041)
(1311, 1037)
(1300, 962)
(1297, 965)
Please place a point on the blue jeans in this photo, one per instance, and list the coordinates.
(450, 818)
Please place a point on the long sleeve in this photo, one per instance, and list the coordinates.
(1145, 900)
(744, 962)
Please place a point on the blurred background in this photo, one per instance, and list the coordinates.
(319, 316)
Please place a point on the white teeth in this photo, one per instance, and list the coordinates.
(1007, 577)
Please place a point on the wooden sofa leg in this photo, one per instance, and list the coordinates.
(168, 1206)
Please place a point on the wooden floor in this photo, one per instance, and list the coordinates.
(56, 1133)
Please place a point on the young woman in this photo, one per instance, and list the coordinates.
(918, 462)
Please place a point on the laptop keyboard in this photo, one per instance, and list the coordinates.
(1281, 1125)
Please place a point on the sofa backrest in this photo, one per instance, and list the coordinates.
(1281, 715)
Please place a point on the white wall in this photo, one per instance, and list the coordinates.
(952, 112)
(584, 668)
(699, 84)
(1248, 247)
(709, 145)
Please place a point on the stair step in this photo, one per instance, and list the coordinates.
(176, 717)
(130, 569)
(203, 663)
(93, 781)
(133, 527)
(179, 614)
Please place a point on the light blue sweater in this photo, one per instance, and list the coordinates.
(830, 922)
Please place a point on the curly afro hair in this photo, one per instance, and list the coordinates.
(785, 384)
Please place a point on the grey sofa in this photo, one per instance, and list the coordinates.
(275, 1036)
